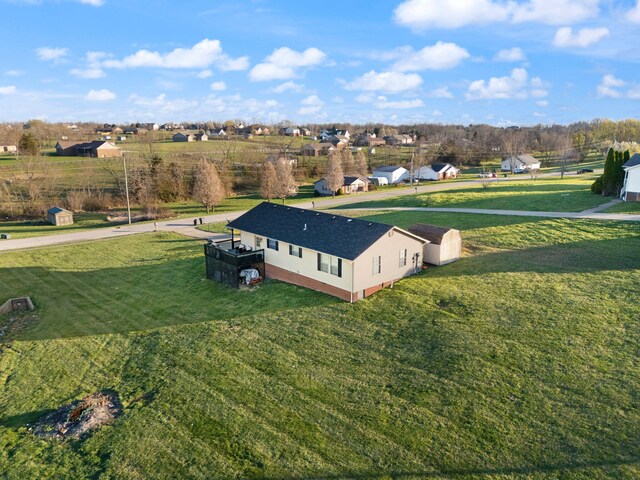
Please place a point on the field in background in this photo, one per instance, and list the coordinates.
(572, 194)
(519, 360)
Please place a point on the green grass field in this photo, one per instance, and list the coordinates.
(630, 208)
(520, 360)
(543, 195)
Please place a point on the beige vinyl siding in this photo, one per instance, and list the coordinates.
(388, 249)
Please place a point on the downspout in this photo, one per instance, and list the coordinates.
(352, 274)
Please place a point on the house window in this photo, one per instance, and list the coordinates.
(335, 266)
(258, 242)
(272, 244)
(329, 264)
(377, 264)
(403, 257)
(295, 251)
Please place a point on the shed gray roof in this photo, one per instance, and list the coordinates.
(526, 159)
(336, 235)
(56, 210)
(433, 233)
(633, 161)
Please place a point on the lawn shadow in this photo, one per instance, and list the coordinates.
(141, 297)
(20, 420)
(587, 256)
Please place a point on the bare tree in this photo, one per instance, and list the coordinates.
(335, 174)
(285, 181)
(347, 161)
(207, 187)
(268, 181)
(361, 164)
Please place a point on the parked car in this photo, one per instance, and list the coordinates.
(485, 175)
(584, 170)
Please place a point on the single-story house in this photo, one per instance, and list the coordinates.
(402, 139)
(122, 138)
(350, 184)
(365, 140)
(183, 137)
(330, 132)
(445, 244)
(97, 148)
(8, 148)
(337, 140)
(201, 137)
(317, 149)
(348, 258)
(393, 174)
(519, 163)
(59, 216)
(437, 171)
(219, 133)
(631, 187)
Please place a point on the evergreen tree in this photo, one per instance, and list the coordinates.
(28, 144)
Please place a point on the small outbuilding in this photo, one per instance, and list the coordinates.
(59, 216)
(445, 244)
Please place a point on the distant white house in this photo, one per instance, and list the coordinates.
(8, 149)
(631, 187)
(519, 163)
(437, 171)
(393, 174)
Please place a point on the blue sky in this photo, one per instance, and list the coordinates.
(447, 61)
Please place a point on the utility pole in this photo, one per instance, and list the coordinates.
(126, 186)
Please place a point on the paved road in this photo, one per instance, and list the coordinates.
(186, 227)
(519, 213)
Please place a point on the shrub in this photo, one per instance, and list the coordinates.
(97, 202)
(154, 211)
(596, 187)
(75, 200)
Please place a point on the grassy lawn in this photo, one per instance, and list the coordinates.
(543, 195)
(519, 360)
(631, 208)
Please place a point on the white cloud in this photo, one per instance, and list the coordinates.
(428, 14)
(311, 104)
(514, 54)
(608, 86)
(87, 73)
(49, 54)
(8, 90)
(203, 54)
(385, 82)
(515, 86)
(542, 103)
(382, 103)
(583, 38)
(103, 95)
(634, 93)
(442, 92)
(288, 87)
(205, 74)
(14, 73)
(441, 56)
(556, 12)
(425, 14)
(633, 15)
(218, 86)
(148, 101)
(283, 63)
(95, 3)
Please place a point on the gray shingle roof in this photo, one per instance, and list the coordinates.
(633, 161)
(387, 169)
(334, 235)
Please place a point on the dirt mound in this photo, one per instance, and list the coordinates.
(78, 418)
